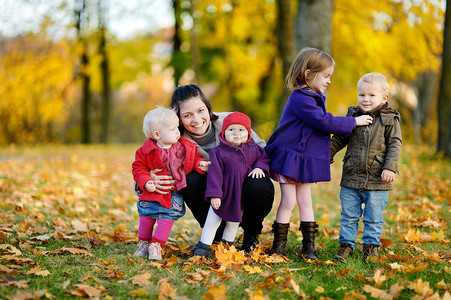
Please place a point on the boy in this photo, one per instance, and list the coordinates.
(369, 166)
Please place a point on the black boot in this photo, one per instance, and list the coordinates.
(309, 229)
(250, 241)
(280, 231)
(227, 242)
(202, 249)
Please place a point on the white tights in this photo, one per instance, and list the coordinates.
(295, 193)
(211, 225)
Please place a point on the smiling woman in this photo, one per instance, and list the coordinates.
(200, 125)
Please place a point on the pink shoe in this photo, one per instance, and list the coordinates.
(143, 248)
(155, 251)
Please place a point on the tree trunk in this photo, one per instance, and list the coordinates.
(84, 75)
(105, 74)
(195, 45)
(444, 99)
(285, 34)
(176, 43)
(314, 24)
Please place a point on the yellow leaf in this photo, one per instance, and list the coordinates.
(379, 278)
(142, 279)
(252, 270)
(139, 293)
(438, 236)
(258, 295)
(166, 291)
(215, 293)
(319, 289)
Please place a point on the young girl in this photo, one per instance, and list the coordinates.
(236, 158)
(172, 155)
(299, 148)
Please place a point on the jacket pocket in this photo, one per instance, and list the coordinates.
(377, 164)
(348, 166)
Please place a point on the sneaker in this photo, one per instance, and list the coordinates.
(143, 248)
(155, 251)
(370, 251)
(344, 251)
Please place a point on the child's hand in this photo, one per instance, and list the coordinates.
(215, 202)
(256, 173)
(150, 186)
(388, 176)
(164, 184)
(363, 120)
(204, 165)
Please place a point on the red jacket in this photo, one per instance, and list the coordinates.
(148, 158)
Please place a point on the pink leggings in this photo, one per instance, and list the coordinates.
(162, 231)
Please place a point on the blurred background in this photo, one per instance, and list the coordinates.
(87, 71)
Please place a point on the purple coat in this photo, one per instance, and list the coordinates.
(300, 146)
(230, 166)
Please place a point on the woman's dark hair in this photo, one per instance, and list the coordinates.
(185, 92)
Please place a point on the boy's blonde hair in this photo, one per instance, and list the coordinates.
(376, 78)
(308, 59)
(153, 119)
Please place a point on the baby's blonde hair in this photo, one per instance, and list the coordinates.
(376, 78)
(154, 118)
(308, 59)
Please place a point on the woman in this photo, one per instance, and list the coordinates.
(199, 124)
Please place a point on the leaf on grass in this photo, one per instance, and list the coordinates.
(41, 238)
(139, 293)
(17, 282)
(114, 274)
(166, 290)
(130, 261)
(319, 289)
(252, 270)
(16, 260)
(421, 287)
(376, 293)
(170, 261)
(142, 279)
(257, 295)
(84, 290)
(37, 271)
(379, 278)
(226, 255)
(195, 276)
(352, 295)
(79, 226)
(344, 272)
(215, 293)
(10, 249)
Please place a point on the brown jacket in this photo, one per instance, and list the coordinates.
(370, 149)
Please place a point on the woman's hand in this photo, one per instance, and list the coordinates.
(204, 165)
(164, 184)
(215, 202)
(363, 120)
(256, 173)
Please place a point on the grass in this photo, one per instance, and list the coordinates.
(71, 212)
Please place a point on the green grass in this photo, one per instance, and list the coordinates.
(43, 190)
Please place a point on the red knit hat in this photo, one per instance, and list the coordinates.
(237, 118)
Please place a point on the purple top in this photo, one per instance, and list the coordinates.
(230, 166)
(300, 146)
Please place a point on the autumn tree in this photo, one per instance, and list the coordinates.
(444, 100)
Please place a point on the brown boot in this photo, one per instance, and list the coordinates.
(280, 238)
(309, 229)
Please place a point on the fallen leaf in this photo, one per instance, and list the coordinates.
(139, 293)
(166, 290)
(142, 279)
(215, 293)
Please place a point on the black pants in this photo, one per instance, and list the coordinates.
(257, 200)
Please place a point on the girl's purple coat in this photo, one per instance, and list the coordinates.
(300, 146)
(230, 166)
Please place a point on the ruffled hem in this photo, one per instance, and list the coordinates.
(301, 168)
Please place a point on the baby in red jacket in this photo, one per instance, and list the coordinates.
(172, 155)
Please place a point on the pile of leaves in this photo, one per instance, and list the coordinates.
(69, 224)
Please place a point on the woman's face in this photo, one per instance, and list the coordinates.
(195, 116)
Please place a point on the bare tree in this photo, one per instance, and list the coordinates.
(444, 99)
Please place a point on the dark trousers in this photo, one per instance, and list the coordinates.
(257, 200)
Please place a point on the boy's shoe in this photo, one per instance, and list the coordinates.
(143, 248)
(343, 252)
(155, 251)
(202, 250)
(370, 251)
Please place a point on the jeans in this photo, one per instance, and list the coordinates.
(351, 211)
